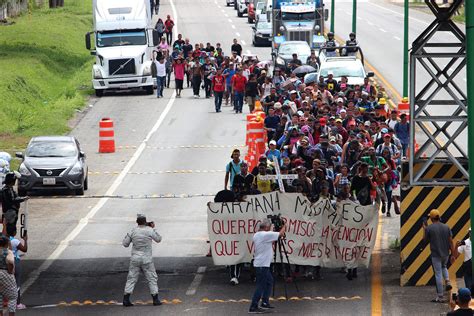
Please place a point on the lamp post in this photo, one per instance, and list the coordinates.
(333, 10)
(354, 16)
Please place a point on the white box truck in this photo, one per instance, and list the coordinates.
(124, 40)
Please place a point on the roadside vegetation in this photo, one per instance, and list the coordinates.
(45, 72)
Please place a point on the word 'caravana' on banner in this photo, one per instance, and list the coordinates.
(267, 204)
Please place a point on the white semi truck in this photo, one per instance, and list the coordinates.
(124, 40)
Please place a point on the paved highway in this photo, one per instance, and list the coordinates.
(75, 245)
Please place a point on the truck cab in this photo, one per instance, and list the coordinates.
(124, 40)
(301, 20)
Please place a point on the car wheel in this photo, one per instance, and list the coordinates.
(80, 191)
(149, 89)
(22, 192)
(86, 183)
(239, 14)
(228, 4)
(99, 92)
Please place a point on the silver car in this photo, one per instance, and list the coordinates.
(53, 163)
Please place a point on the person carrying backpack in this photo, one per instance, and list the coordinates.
(232, 169)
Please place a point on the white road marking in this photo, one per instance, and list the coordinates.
(382, 30)
(196, 282)
(237, 33)
(398, 13)
(243, 42)
(359, 18)
(248, 52)
(464, 79)
(370, 23)
(85, 220)
(222, 10)
(233, 26)
(347, 12)
(226, 15)
(397, 38)
(230, 21)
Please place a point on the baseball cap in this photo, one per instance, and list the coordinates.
(272, 142)
(434, 213)
(338, 120)
(332, 139)
(343, 111)
(277, 105)
(330, 72)
(322, 121)
(464, 295)
(384, 130)
(387, 135)
(293, 91)
(367, 123)
(262, 157)
(340, 100)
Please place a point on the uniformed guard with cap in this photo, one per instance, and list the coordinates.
(142, 238)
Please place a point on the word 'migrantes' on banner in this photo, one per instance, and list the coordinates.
(326, 234)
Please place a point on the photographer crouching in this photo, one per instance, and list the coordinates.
(263, 242)
(142, 238)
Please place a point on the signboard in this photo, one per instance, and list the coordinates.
(340, 235)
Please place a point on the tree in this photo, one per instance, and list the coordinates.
(56, 3)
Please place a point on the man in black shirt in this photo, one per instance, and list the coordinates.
(361, 185)
(236, 47)
(187, 48)
(295, 62)
(463, 299)
(179, 42)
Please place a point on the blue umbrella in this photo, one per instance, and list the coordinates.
(310, 78)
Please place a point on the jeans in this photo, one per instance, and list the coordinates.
(264, 286)
(404, 150)
(234, 271)
(169, 38)
(238, 101)
(196, 84)
(207, 87)
(218, 95)
(160, 85)
(440, 272)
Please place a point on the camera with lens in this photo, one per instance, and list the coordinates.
(277, 222)
(151, 224)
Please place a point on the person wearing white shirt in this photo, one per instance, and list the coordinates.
(160, 76)
(464, 247)
(263, 241)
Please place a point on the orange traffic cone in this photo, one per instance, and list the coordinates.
(106, 136)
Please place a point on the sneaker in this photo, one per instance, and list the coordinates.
(256, 311)
(388, 214)
(266, 306)
(448, 287)
(196, 96)
(20, 306)
(438, 300)
(234, 281)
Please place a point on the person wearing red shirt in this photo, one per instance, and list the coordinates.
(238, 90)
(218, 86)
(169, 24)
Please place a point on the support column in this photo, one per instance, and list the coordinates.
(354, 16)
(405, 51)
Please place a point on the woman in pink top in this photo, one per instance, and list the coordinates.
(179, 70)
(163, 46)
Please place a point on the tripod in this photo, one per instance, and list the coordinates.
(281, 249)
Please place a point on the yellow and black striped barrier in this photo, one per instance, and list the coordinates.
(283, 298)
(416, 203)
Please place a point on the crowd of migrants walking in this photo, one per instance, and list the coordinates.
(342, 140)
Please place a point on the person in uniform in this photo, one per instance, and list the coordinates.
(10, 199)
(352, 45)
(331, 45)
(8, 287)
(142, 238)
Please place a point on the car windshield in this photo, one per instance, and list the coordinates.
(121, 38)
(51, 149)
(263, 26)
(290, 16)
(344, 69)
(300, 49)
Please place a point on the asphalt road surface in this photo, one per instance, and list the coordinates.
(169, 149)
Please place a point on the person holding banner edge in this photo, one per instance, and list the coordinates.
(263, 241)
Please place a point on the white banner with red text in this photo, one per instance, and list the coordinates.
(320, 234)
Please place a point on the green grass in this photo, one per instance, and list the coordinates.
(45, 72)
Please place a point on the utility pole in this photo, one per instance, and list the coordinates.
(405, 51)
(333, 10)
(354, 16)
(469, 6)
